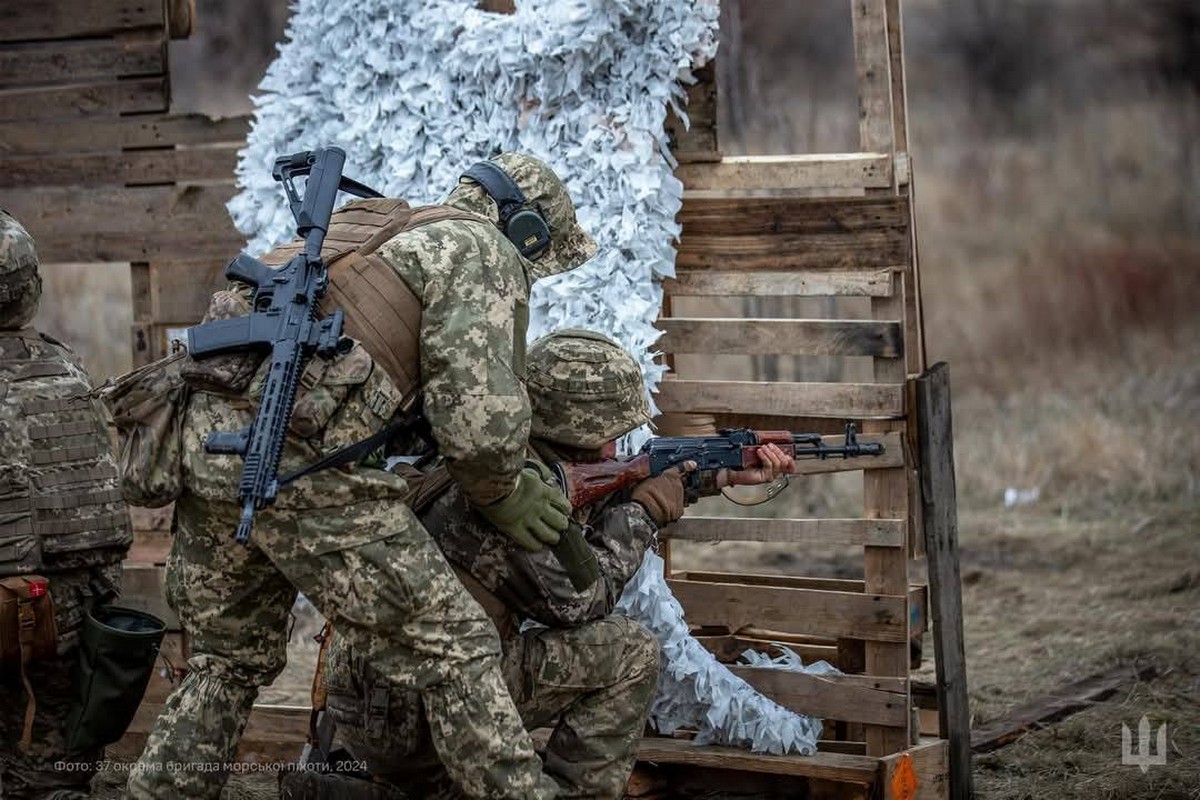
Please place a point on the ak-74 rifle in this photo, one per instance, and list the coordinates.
(283, 321)
(585, 483)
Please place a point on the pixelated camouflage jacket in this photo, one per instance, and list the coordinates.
(60, 500)
(474, 290)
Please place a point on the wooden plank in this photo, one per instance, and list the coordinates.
(852, 698)
(736, 606)
(870, 249)
(141, 224)
(844, 400)
(707, 215)
(831, 337)
(831, 766)
(705, 282)
(133, 167)
(116, 133)
(75, 61)
(67, 19)
(824, 171)
(84, 101)
(882, 533)
(873, 66)
(181, 289)
(935, 437)
(930, 764)
(729, 648)
(1042, 711)
(143, 589)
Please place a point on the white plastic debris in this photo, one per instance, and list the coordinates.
(697, 691)
(1014, 497)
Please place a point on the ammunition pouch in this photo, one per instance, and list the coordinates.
(27, 634)
(116, 659)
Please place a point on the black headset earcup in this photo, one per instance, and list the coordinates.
(528, 231)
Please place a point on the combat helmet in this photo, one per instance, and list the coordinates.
(20, 284)
(570, 245)
(585, 390)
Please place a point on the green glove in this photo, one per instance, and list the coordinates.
(534, 515)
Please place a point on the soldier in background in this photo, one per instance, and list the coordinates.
(588, 674)
(61, 518)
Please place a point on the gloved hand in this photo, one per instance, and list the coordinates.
(663, 495)
(534, 515)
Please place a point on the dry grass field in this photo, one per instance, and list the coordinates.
(1057, 164)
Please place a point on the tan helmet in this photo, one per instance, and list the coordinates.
(570, 245)
(585, 389)
(20, 284)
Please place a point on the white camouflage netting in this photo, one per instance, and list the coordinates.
(416, 90)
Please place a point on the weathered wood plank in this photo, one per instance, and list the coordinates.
(132, 167)
(706, 282)
(728, 648)
(180, 289)
(870, 249)
(831, 766)
(84, 101)
(878, 532)
(824, 171)
(850, 698)
(705, 215)
(115, 133)
(139, 224)
(66, 19)
(832, 337)
(935, 438)
(873, 65)
(1042, 711)
(75, 61)
(844, 400)
(735, 606)
(930, 764)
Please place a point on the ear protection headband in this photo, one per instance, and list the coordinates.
(521, 222)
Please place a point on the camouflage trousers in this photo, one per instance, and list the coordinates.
(593, 684)
(372, 570)
(47, 771)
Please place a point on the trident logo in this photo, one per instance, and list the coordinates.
(1145, 757)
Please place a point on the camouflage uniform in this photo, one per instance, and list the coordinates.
(589, 675)
(61, 516)
(345, 538)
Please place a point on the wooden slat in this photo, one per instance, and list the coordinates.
(881, 533)
(65, 19)
(860, 250)
(845, 400)
(825, 171)
(148, 223)
(830, 766)
(935, 436)
(873, 65)
(179, 290)
(831, 337)
(85, 100)
(850, 698)
(930, 763)
(134, 167)
(706, 215)
(706, 282)
(728, 648)
(698, 139)
(72, 62)
(851, 615)
(115, 133)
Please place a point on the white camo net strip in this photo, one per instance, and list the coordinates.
(416, 90)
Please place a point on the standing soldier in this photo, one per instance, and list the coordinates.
(63, 532)
(438, 303)
(588, 674)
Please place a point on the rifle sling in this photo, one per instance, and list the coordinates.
(352, 453)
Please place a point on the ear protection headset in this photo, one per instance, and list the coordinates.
(521, 222)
